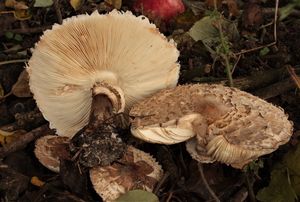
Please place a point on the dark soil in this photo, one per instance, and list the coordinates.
(265, 75)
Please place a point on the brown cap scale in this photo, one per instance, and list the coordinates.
(135, 170)
(49, 149)
(231, 126)
(118, 54)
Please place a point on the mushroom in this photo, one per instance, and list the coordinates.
(118, 55)
(50, 149)
(222, 123)
(135, 170)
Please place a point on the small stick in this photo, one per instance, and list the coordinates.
(275, 20)
(13, 61)
(274, 33)
(250, 188)
(212, 193)
(160, 183)
(294, 76)
(256, 48)
(275, 89)
(57, 10)
(26, 138)
(235, 64)
(28, 30)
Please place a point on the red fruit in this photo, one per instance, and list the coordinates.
(163, 9)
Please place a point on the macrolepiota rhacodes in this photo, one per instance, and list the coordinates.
(220, 123)
(86, 71)
(135, 170)
(118, 55)
(92, 67)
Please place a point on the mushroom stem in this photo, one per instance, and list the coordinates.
(101, 110)
(113, 93)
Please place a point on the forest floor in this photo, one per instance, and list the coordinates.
(252, 45)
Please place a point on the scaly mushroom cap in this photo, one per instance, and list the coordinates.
(169, 116)
(118, 54)
(135, 170)
(231, 126)
(49, 149)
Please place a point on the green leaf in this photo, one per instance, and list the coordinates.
(137, 195)
(292, 160)
(279, 189)
(43, 3)
(9, 35)
(264, 51)
(285, 179)
(204, 29)
(18, 37)
(288, 9)
(76, 4)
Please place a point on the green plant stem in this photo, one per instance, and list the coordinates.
(228, 70)
(225, 55)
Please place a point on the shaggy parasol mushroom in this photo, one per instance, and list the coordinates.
(118, 55)
(50, 149)
(231, 126)
(135, 170)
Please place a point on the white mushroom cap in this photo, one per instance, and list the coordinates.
(49, 149)
(231, 126)
(118, 50)
(135, 170)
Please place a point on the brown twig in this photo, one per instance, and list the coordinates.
(256, 48)
(235, 64)
(294, 76)
(28, 30)
(161, 182)
(26, 138)
(275, 89)
(57, 10)
(250, 187)
(12, 61)
(275, 20)
(260, 79)
(274, 33)
(212, 193)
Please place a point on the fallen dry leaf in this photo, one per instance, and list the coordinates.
(17, 5)
(252, 15)
(76, 4)
(36, 181)
(8, 137)
(21, 87)
(115, 3)
(211, 3)
(233, 7)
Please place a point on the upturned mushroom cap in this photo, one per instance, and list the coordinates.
(231, 126)
(135, 170)
(49, 149)
(118, 54)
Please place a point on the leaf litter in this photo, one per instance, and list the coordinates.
(247, 28)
